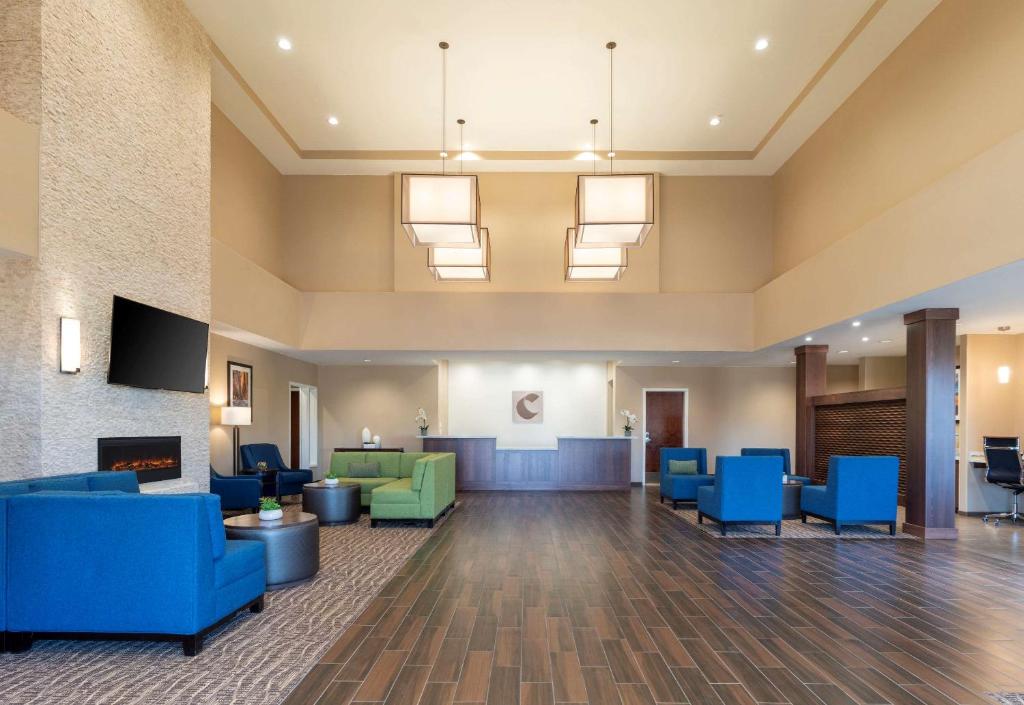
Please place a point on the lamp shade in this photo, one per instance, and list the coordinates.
(462, 264)
(592, 264)
(441, 210)
(236, 416)
(614, 210)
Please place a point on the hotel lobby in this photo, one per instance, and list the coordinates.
(421, 353)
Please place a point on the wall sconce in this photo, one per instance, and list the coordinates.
(1003, 374)
(70, 346)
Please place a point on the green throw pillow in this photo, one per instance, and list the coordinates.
(682, 467)
(364, 469)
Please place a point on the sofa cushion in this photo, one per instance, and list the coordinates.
(390, 463)
(124, 481)
(341, 461)
(9, 489)
(240, 558)
(397, 492)
(67, 483)
(814, 499)
(409, 461)
(682, 467)
(357, 470)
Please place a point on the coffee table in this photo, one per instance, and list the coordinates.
(791, 499)
(292, 544)
(333, 504)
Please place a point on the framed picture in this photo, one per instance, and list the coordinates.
(239, 384)
(527, 407)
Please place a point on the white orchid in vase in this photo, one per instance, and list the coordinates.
(422, 421)
(631, 420)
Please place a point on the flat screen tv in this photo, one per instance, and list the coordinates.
(156, 349)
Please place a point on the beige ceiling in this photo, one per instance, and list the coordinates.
(528, 75)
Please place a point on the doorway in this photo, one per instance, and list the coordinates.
(665, 426)
(303, 426)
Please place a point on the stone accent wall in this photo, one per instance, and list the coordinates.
(124, 92)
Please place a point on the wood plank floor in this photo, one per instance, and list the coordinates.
(542, 598)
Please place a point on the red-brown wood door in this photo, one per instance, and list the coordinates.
(296, 428)
(664, 415)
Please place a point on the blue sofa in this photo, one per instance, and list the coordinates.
(236, 491)
(782, 453)
(86, 556)
(683, 488)
(860, 490)
(747, 490)
(285, 480)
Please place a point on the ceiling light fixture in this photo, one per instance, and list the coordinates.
(613, 210)
(761, 44)
(284, 43)
(462, 264)
(864, 339)
(441, 210)
(808, 338)
(592, 264)
(885, 340)
(855, 324)
(675, 362)
(367, 360)
(715, 120)
(332, 120)
(843, 352)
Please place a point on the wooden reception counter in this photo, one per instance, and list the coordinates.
(577, 463)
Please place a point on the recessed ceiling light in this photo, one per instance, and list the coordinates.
(808, 338)
(284, 43)
(367, 360)
(864, 339)
(855, 324)
(885, 340)
(715, 121)
(761, 44)
(843, 352)
(332, 120)
(444, 155)
(792, 362)
(675, 362)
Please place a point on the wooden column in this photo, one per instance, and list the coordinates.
(931, 426)
(811, 365)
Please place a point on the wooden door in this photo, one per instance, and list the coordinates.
(665, 421)
(296, 428)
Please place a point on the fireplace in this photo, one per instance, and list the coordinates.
(153, 458)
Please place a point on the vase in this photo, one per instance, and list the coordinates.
(627, 432)
(423, 430)
(330, 481)
(271, 514)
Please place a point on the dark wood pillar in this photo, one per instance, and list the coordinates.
(931, 425)
(811, 366)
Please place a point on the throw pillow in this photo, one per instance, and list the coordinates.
(682, 467)
(364, 469)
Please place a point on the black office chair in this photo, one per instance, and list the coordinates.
(1004, 469)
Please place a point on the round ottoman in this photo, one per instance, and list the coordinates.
(333, 504)
(292, 544)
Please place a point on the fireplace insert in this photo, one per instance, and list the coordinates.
(153, 458)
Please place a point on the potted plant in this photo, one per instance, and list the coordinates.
(261, 465)
(331, 478)
(270, 509)
(422, 421)
(631, 420)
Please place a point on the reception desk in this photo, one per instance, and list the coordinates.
(577, 463)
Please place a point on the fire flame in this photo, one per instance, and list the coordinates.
(144, 464)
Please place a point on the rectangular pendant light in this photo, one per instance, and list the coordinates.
(441, 210)
(614, 210)
(462, 264)
(592, 264)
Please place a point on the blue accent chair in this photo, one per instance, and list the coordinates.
(288, 481)
(683, 488)
(861, 489)
(113, 564)
(782, 453)
(747, 490)
(236, 491)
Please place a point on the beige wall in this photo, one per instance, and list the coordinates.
(716, 233)
(946, 94)
(882, 372)
(271, 408)
(246, 197)
(383, 398)
(841, 378)
(19, 187)
(729, 407)
(338, 233)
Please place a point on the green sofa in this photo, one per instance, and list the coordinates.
(411, 485)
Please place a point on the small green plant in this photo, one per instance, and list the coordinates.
(332, 474)
(269, 504)
(261, 465)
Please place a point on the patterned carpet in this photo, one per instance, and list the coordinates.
(256, 659)
(791, 528)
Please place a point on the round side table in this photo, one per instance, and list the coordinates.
(333, 504)
(292, 544)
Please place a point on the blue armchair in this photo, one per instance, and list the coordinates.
(683, 488)
(861, 489)
(782, 453)
(287, 481)
(121, 565)
(747, 490)
(236, 491)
